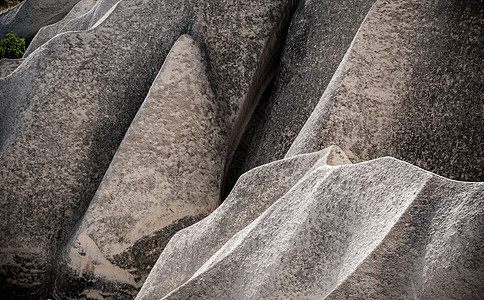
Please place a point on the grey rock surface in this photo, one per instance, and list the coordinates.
(110, 143)
(164, 176)
(65, 110)
(315, 227)
(230, 33)
(101, 10)
(318, 38)
(410, 86)
(63, 114)
(29, 16)
(49, 31)
(7, 66)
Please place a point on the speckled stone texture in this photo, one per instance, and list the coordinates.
(410, 86)
(7, 66)
(235, 30)
(164, 176)
(29, 16)
(318, 37)
(63, 113)
(93, 183)
(65, 110)
(48, 32)
(316, 227)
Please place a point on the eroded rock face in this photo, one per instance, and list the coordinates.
(7, 66)
(318, 37)
(66, 108)
(64, 112)
(90, 196)
(405, 88)
(29, 16)
(318, 227)
(48, 32)
(164, 176)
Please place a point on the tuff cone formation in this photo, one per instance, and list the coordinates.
(397, 93)
(317, 227)
(126, 124)
(174, 185)
(48, 32)
(29, 16)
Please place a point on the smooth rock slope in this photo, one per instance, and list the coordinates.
(164, 176)
(318, 37)
(7, 66)
(66, 108)
(29, 16)
(410, 86)
(314, 227)
(47, 32)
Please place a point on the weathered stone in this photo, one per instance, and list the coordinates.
(98, 13)
(7, 66)
(303, 227)
(63, 114)
(239, 26)
(410, 86)
(48, 32)
(167, 170)
(29, 16)
(65, 110)
(318, 37)
(312, 226)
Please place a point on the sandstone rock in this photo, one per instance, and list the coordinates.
(311, 226)
(318, 37)
(48, 32)
(66, 108)
(410, 86)
(29, 16)
(164, 176)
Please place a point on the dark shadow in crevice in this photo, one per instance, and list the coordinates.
(252, 110)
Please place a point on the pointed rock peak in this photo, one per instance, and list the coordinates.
(337, 157)
(154, 186)
(183, 62)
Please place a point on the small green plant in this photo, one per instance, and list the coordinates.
(12, 46)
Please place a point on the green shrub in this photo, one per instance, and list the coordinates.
(12, 46)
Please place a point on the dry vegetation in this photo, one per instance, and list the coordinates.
(6, 4)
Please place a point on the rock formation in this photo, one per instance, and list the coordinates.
(29, 16)
(319, 36)
(164, 176)
(65, 110)
(119, 126)
(48, 32)
(415, 103)
(316, 227)
(396, 92)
